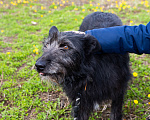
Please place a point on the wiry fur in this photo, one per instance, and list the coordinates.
(84, 74)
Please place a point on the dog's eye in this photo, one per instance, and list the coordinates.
(65, 47)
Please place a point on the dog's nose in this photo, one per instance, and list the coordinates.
(40, 65)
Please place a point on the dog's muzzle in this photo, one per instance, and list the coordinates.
(56, 77)
(40, 66)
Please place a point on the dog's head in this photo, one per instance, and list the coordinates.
(64, 52)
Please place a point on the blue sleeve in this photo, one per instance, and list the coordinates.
(122, 39)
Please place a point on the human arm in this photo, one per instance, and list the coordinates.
(122, 39)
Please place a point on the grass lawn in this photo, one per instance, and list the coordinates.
(24, 24)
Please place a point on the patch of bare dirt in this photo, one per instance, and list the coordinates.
(48, 96)
(9, 39)
(31, 115)
(5, 50)
(53, 96)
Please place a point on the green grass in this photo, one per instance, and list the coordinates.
(22, 94)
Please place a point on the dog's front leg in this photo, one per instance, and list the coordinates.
(76, 107)
(80, 109)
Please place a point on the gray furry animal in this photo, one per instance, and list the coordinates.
(72, 59)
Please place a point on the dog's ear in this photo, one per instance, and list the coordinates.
(53, 33)
(53, 30)
(91, 44)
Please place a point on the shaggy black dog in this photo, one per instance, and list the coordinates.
(72, 60)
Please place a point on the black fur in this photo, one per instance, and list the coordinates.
(99, 20)
(87, 78)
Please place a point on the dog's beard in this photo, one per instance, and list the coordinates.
(54, 74)
(53, 78)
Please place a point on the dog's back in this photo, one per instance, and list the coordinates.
(99, 20)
